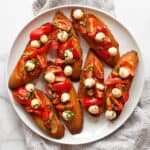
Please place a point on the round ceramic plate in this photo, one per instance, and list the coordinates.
(93, 129)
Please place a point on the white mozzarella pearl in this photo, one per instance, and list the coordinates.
(68, 70)
(100, 86)
(62, 36)
(116, 92)
(30, 87)
(112, 51)
(29, 65)
(35, 103)
(100, 36)
(68, 55)
(50, 77)
(78, 14)
(124, 72)
(65, 97)
(44, 39)
(94, 109)
(35, 43)
(110, 114)
(89, 82)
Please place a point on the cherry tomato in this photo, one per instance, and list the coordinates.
(38, 32)
(55, 101)
(29, 109)
(42, 60)
(62, 107)
(54, 69)
(62, 47)
(63, 24)
(125, 96)
(62, 86)
(45, 113)
(89, 101)
(102, 53)
(76, 53)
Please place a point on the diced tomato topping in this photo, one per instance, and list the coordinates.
(91, 26)
(54, 69)
(45, 113)
(100, 28)
(42, 60)
(102, 53)
(62, 24)
(62, 47)
(29, 109)
(56, 101)
(38, 32)
(88, 101)
(76, 53)
(125, 96)
(62, 86)
(62, 107)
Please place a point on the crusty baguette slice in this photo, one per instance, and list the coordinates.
(77, 64)
(111, 60)
(75, 125)
(57, 130)
(91, 60)
(128, 60)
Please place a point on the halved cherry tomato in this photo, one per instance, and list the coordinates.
(54, 69)
(29, 109)
(62, 86)
(60, 78)
(125, 96)
(88, 101)
(102, 53)
(38, 32)
(100, 28)
(91, 26)
(76, 53)
(21, 96)
(71, 42)
(63, 24)
(113, 81)
(128, 65)
(58, 62)
(55, 101)
(118, 106)
(45, 113)
(62, 107)
(62, 47)
(108, 104)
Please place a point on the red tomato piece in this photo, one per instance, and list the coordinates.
(62, 86)
(125, 96)
(102, 53)
(88, 101)
(47, 28)
(76, 53)
(42, 60)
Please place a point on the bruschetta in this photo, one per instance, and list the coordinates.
(41, 109)
(33, 59)
(97, 34)
(118, 84)
(63, 96)
(92, 90)
(67, 45)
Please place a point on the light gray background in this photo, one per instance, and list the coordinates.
(14, 14)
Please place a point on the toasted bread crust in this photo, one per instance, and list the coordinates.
(57, 127)
(111, 61)
(77, 64)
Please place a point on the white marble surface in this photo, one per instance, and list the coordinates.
(14, 14)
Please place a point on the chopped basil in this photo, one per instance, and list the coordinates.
(88, 68)
(30, 95)
(56, 24)
(83, 23)
(69, 114)
(90, 92)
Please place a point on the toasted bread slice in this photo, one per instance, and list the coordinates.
(93, 69)
(59, 16)
(89, 26)
(120, 78)
(44, 114)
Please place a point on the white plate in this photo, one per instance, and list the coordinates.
(93, 129)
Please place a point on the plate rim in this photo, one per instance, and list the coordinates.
(121, 123)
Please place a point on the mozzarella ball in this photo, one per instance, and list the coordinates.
(35, 103)
(89, 82)
(78, 14)
(29, 65)
(65, 97)
(116, 92)
(68, 115)
(124, 72)
(62, 36)
(30, 87)
(35, 43)
(100, 86)
(68, 55)
(50, 77)
(68, 70)
(110, 114)
(94, 109)
(100, 36)
(112, 51)
(44, 39)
